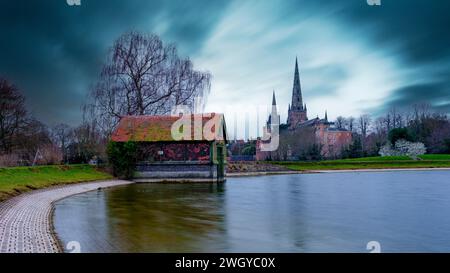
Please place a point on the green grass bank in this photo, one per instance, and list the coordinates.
(391, 162)
(14, 181)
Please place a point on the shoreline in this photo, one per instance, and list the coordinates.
(381, 170)
(263, 173)
(26, 221)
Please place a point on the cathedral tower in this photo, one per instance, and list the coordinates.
(297, 112)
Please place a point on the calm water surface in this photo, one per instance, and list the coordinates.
(339, 212)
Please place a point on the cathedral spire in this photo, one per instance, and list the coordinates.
(274, 100)
(297, 113)
(297, 100)
(326, 115)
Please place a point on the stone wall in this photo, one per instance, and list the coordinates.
(175, 171)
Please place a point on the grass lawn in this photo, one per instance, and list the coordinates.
(435, 157)
(392, 162)
(372, 159)
(14, 181)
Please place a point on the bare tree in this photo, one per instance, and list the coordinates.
(32, 136)
(12, 114)
(380, 127)
(388, 122)
(143, 76)
(340, 122)
(351, 123)
(61, 136)
(424, 110)
(364, 123)
(86, 142)
(394, 119)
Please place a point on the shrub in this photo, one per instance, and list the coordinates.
(122, 158)
(403, 148)
(9, 160)
(412, 149)
(447, 145)
(387, 150)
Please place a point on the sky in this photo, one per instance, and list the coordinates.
(354, 58)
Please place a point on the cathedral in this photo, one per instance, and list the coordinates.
(299, 135)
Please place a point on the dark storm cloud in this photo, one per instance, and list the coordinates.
(436, 94)
(421, 30)
(419, 27)
(414, 32)
(53, 51)
(419, 34)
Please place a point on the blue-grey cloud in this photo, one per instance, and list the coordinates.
(354, 58)
(334, 74)
(436, 93)
(54, 52)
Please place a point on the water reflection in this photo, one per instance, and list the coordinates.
(166, 219)
(144, 218)
(341, 212)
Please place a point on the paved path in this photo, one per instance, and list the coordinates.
(26, 220)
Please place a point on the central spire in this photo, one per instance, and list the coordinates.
(297, 112)
(297, 100)
(274, 100)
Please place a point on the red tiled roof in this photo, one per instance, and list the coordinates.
(159, 128)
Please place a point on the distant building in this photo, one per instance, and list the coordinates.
(241, 150)
(330, 140)
(200, 158)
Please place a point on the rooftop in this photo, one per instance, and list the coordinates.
(159, 128)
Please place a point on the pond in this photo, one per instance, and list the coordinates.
(405, 211)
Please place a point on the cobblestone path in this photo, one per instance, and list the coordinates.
(26, 220)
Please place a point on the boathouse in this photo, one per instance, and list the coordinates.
(184, 148)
